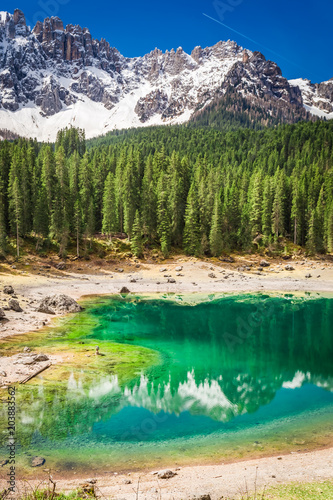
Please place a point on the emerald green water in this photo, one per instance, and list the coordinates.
(235, 376)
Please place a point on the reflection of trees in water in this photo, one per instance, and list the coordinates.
(286, 345)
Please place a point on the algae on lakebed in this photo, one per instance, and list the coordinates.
(184, 378)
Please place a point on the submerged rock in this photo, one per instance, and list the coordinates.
(60, 304)
(37, 461)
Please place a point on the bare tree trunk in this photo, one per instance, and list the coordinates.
(77, 244)
(295, 232)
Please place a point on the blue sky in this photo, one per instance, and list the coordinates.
(298, 32)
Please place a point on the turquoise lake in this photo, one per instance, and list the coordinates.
(237, 376)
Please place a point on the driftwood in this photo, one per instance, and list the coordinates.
(35, 374)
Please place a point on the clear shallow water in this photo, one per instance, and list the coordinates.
(237, 376)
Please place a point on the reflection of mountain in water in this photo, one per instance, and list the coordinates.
(288, 344)
(79, 409)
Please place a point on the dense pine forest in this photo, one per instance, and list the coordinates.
(201, 191)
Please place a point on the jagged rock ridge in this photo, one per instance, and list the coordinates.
(54, 76)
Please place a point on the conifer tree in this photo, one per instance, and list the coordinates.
(215, 238)
(109, 207)
(330, 229)
(267, 208)
(192, 237)
(278, 212)
(87, 197)
(163, 217)
(16, 211)
(177, 198)
(256, 204)
(149, 201)
(2, 218)
(136, 240)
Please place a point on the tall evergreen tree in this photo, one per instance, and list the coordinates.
(192, 237)
(110, 216)
(163, 216)
(16, 211)
(215, 238)
(136, 240)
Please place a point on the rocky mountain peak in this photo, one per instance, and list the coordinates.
(15, 25)
(55, 75)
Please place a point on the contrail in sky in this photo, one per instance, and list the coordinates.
(251, 40)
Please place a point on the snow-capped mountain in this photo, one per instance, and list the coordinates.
(317, 97)
(53, 76)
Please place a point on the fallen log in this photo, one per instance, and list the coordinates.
(35, 374)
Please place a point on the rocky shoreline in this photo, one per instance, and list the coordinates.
(40, 297)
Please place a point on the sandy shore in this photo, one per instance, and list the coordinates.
(219, 481)
(84, 279)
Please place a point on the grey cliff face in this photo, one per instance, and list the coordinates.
(52, 67)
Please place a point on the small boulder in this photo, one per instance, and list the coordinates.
(163, 270)
(211, 275)
(124, 290)
(171, 280)
(26, 349)
(166, 474)
(61, 266)
(41, 357)
(9, 290)
(264, 263)
(289, 267)
(60, 304)
(2, 314)
(14, 305)
(308, 275)
(120, 270)
(179, 268)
